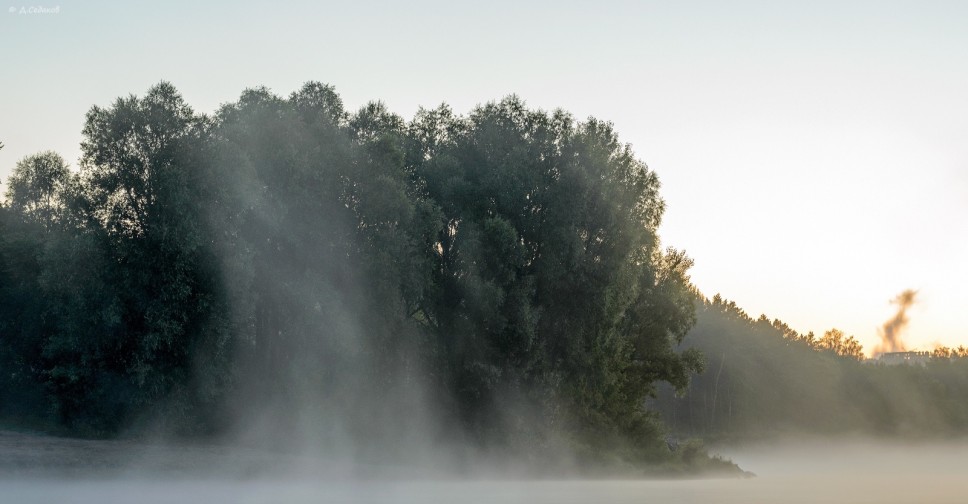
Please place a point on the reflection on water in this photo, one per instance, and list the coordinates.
(37, 469)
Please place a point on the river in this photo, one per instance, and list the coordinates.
(43, 469)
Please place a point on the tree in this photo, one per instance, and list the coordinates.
(22, 326)
(37, 186)
(835, 341)
(157, 313)
(945, 352)
(551, 283)
(504, 268)
(141, 156)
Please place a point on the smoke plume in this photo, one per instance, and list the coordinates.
(891, 331)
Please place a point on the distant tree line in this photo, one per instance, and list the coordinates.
(946, 352)
(765, 379)
(289, 264)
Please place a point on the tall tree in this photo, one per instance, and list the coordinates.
(547, 244)
(143, 167)
(37, 186)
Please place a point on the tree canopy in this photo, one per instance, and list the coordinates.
(285, 259)
(766, 379)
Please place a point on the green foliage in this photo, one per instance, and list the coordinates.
(21, 322)
(357, 269)
(764, 378)
(36, 188)
(549, 278)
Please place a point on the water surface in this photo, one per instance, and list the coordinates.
(39, 469)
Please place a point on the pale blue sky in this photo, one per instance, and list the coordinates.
(813, 154)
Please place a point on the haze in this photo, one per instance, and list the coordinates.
(811, 156)
(792, 472)
(446, 252)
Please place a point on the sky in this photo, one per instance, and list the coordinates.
(812, 154)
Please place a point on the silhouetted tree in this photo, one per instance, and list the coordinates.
(37, 186)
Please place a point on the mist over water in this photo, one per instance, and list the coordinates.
(44, 469)
(286, 274)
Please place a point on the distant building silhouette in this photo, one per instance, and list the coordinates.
(896, 358)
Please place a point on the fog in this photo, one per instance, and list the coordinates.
(47, 469)
(305, 304)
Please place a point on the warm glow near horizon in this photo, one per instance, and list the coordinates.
(812, 157)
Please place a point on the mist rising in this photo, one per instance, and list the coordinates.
(799, 471)
(299, 301)
(443, 291)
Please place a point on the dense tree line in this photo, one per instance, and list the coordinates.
(493, 278)
(765, 379)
